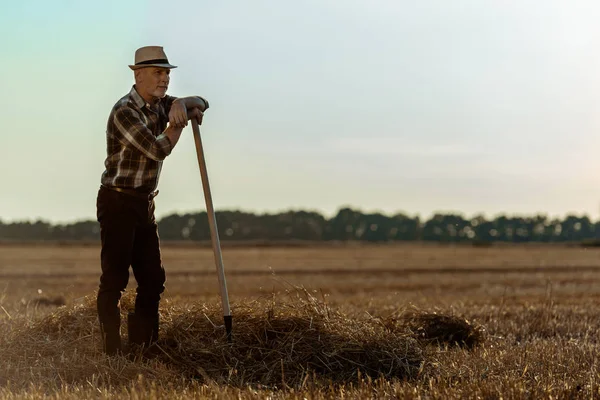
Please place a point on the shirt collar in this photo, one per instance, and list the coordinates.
(136, 98)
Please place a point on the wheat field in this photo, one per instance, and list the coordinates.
(315, 321)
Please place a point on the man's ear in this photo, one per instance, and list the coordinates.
(137, 74)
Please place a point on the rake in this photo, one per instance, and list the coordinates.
(214, 233)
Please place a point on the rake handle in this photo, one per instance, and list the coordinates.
(214, 233)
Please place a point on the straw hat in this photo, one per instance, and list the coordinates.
(151, 56)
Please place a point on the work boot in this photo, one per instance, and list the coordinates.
(111, 338)
(151, 330)
(143, 333)
(134, 331)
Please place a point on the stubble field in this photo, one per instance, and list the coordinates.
(347, 321)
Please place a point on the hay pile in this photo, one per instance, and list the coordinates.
(433, 328)
(450, 329)
(275, 344)
(286, 344)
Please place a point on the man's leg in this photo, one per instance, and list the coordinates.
(150, 276)
(117, 229)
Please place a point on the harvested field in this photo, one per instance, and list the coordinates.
(401, 321)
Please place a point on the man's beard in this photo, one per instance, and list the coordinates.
(159, 93)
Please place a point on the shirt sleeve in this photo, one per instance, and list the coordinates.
(133, 131)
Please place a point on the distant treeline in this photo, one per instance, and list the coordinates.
(347, 225)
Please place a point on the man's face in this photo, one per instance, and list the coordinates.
(153, 81)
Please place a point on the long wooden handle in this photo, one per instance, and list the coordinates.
(212, 221)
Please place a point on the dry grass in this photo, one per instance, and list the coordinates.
(439, 329)
(277, 344)
(449, 331)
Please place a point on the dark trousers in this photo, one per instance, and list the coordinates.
(129, 236)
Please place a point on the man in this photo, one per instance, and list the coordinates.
(143, 128)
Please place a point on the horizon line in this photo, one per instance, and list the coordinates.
(362, 210)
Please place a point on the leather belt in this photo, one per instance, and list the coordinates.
(131, 192)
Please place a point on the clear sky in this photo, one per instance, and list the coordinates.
(468, 106)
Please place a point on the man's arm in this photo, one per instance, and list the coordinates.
(173, 134)
(193, 102)
(178, 113)
(132, 131)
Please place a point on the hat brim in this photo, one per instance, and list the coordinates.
(134, 67)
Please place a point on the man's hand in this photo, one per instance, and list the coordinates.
(178, 116)
(197, 114)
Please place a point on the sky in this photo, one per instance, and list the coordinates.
(465, 106)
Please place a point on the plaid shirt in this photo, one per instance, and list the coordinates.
(135, 143)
